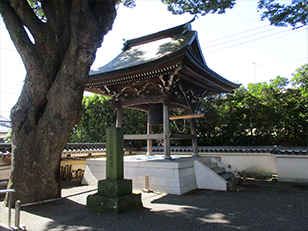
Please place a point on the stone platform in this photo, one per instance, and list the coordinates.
(176, 176)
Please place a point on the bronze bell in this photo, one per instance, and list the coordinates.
(155, 115)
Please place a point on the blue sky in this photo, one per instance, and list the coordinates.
(237, 45)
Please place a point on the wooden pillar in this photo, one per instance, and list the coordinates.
(194, 139)
(166, 123)
(149, 142)
(119, 117)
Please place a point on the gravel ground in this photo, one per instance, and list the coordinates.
(258, 205)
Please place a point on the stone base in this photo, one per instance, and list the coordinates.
(114, 188)
(114, 196)
(102, 204)
(173, 177)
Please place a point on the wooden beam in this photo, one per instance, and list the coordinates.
(142, 107)
(189, 116)
(149, 142)
(181, 137)
(72, 162)
(144, 137)
(142, 100)
(141, 103)
(166, 135)
(194, 138)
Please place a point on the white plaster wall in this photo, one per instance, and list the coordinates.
(263, 163)
(95, 170)
(292, 168)
(178, 180)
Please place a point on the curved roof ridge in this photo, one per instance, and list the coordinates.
(184, 28)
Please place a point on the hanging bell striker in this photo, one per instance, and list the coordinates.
(155, 115)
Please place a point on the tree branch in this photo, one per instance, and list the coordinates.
(105, 20)
(28, 17)
(17, 33)
(57, 13)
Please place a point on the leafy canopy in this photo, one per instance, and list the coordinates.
(295, 14)
(199, 7)
(261, 114)
(276, 11)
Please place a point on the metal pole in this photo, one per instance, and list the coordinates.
(10, 208)
(17, 214)
(9, 198)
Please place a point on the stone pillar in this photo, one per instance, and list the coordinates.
(194, 139)
(114, 193)
(149, 142)
(114, 154)
(167, 149)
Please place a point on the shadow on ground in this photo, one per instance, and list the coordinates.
(257, 206)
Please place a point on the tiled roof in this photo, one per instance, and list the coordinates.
(84, 148)
(91, 148)
(71, 148)
(152, 49)
(276, 150)
(5, 127)
(5, 150)
(176, 49)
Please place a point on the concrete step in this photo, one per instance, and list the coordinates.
(226, 175)
(205, 160)
(211, 165)
(219, 170)
(218, 158)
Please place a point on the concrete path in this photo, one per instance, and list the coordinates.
(255, 207)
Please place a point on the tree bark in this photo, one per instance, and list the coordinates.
(57, 65)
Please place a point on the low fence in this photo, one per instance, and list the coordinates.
(16, 225)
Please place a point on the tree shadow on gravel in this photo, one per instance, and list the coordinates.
(255, 206)
(198, 210)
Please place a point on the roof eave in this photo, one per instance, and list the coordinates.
(200, 67)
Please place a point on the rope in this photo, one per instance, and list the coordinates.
(188, 104)
(184, 126)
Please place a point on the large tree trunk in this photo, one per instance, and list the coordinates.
(57, 65)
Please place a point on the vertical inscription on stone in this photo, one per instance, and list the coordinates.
(114, 154)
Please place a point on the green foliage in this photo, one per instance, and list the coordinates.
(300, 79)
(8, 138)
(98, 115)
(201, 7)
(38, 10)
(276, 11)
(274, 113)
(262, 114)
(36, 6)
(294, 14)
(128, 3)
